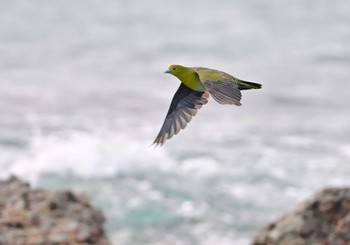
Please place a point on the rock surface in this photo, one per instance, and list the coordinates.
(34, 216)
(324, 220)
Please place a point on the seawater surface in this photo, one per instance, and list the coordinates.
(83, 95)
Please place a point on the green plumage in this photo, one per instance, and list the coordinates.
(197, 83)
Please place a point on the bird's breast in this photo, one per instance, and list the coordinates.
(194, 83)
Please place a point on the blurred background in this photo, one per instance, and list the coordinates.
(83, 95)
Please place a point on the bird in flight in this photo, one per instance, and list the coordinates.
(197, 83)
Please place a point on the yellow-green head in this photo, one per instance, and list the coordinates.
(187, 75)
(176, 70)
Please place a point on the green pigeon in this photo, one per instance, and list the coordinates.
(197, 83)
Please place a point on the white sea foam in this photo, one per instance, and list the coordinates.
(88, 155)
(200, 167)
(98, 155)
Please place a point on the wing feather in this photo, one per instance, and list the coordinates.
(183, 107)
(221, 86)
(224, 92)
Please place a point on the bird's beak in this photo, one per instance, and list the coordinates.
(167, 71)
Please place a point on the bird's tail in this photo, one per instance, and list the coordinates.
(243, 85)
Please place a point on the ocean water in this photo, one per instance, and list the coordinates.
(83, 95)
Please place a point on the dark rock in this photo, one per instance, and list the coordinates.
(324, 220)
(33, 217)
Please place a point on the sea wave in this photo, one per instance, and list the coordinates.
(99, 155)
(87, 155)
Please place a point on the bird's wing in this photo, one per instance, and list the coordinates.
(224, 92)
(183, 107)
(221, 86)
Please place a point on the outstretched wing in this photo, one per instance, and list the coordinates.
(183, 107)
(221, 86)
(224, 92)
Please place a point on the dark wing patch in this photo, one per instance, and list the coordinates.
(224, 92)
(183, 107)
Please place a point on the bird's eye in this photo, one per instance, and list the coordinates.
(174, 68)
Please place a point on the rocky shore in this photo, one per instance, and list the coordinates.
(324, 220)
(33, 216)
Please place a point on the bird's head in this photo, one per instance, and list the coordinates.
(176, 70)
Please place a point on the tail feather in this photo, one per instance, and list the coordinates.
(243, 85)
